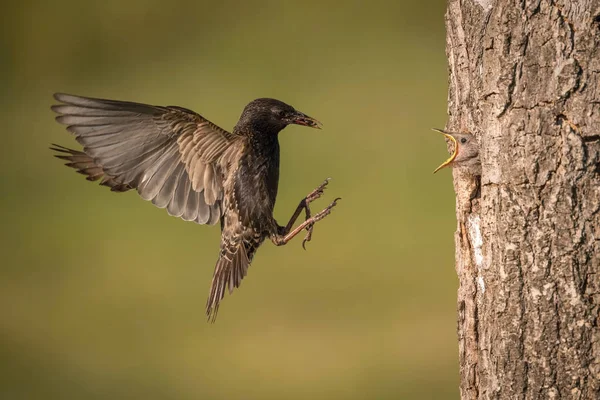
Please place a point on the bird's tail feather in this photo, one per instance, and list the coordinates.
(231, 268)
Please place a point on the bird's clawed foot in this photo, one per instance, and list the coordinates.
(319, 216)
(318, 192)
(312, 196)
(286, 233)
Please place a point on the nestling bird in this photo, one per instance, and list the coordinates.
(465, 152)
(182, 162)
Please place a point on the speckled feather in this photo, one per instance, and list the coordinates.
(182, 162)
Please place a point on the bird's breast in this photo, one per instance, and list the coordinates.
(255, 188)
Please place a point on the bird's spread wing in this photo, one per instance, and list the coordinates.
(172, 156)
(238, 246)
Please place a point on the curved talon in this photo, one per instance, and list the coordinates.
(327, 210)
(318, 192)
(308, 236)
(319, 216)
(306, 239)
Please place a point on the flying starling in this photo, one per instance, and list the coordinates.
(465, 152)
(199, 172)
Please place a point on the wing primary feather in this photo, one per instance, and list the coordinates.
(177, 205)
(171, 155)
(167, 191)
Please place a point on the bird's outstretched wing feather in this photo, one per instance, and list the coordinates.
(173, 156)
(85, 165)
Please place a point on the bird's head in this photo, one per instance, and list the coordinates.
(271, 116)
(465, 151)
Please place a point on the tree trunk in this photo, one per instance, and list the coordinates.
(525, 79)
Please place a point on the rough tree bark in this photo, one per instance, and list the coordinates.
(525, 79)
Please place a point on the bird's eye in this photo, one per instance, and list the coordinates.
(463, 140)
(281, 113)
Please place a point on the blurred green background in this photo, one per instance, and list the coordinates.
(102, 295)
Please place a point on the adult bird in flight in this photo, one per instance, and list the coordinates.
(180, 161)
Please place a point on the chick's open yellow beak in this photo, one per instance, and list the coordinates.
(454, 153)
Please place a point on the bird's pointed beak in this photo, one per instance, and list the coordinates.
(302, 119)
(454, 153)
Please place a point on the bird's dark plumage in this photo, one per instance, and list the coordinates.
(182, 162)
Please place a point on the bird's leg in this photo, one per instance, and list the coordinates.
(286, 232)
(282, 238)
(304, 205)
